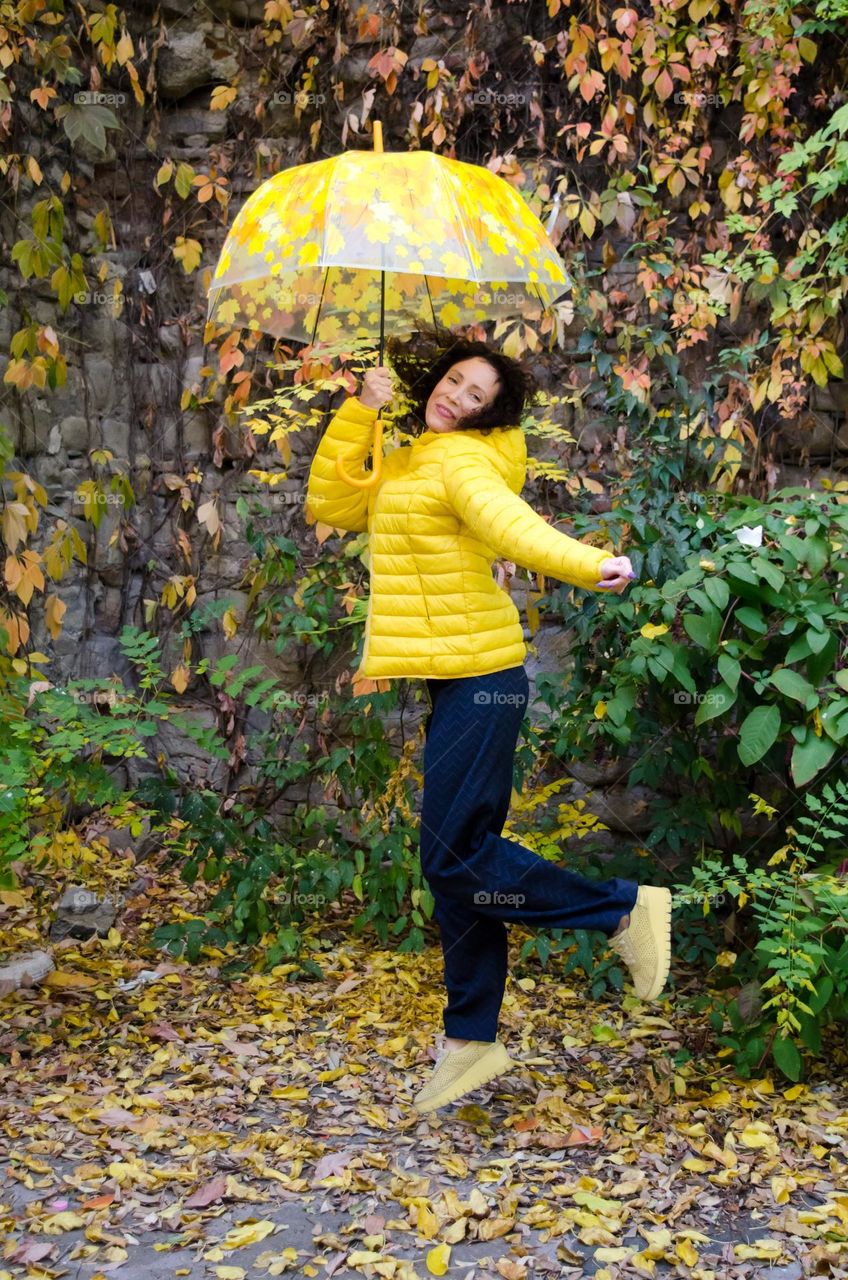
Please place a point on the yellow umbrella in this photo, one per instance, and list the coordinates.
(329, 249)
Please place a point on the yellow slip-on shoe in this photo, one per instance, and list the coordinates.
(460, 1071)
(645, 945)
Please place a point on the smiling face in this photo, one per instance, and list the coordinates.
(468, 386)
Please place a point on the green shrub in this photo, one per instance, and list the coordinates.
(723, 670)
(799, 952)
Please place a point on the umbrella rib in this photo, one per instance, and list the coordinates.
(318, 312)
(430, 300)
(535, 287)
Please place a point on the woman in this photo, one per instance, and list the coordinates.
(444, 508)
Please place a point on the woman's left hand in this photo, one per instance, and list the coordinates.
(616, 574)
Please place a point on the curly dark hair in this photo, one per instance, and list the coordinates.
(421, 361)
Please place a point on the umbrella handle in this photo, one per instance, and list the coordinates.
(378, 462)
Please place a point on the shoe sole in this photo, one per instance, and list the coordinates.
(479, 1073)
(658, 904)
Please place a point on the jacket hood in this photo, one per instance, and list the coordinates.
(506, 447)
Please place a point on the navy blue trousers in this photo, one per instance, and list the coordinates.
(478, 878)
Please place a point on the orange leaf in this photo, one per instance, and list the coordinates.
(179, 677)
(42, 96)
(584, 1134)
(664, 85)
(98, 1202)
(54, 611)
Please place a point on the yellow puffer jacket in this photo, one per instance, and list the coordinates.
(445, 507)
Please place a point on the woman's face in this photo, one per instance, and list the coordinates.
(468, 386)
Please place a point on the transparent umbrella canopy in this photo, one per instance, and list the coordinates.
(341, 248)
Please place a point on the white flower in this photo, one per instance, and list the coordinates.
(750, 537)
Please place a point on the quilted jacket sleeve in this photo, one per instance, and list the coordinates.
(350, 434)
(506, 523)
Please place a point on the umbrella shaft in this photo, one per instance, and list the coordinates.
(382, 312)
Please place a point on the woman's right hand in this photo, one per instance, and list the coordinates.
(377, 388)
(616, 574)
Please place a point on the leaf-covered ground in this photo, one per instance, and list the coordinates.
(159, 1119)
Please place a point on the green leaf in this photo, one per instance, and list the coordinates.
(820, 665)
(810, 1034)
(716, 702)
(183, 180)
(718, 591)
(792, 684)
(703, 628)
(258, 690)
(89, 121)
(222, 668)
(769, 571)
(729, 670)
(807, 49)
(752, 619)
(786, 1055)
(817, 639)
(237, 684)
(816, 553)
(800, 648)
(742, 571)
(757, 733)
(809, 756)
(824, 991)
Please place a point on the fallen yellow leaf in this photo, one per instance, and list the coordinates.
(758, 1137)
(247, 1233)
(456, 1231)
(781, 1188)
(427, 1224)
(438, 1259)
(477, 1202)
(720, 1099)
(64, 979)
(769, 1249)
(598, 1203)
(66, 1221)
(686, 1252)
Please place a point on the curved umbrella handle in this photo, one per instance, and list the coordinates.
(378, 462)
